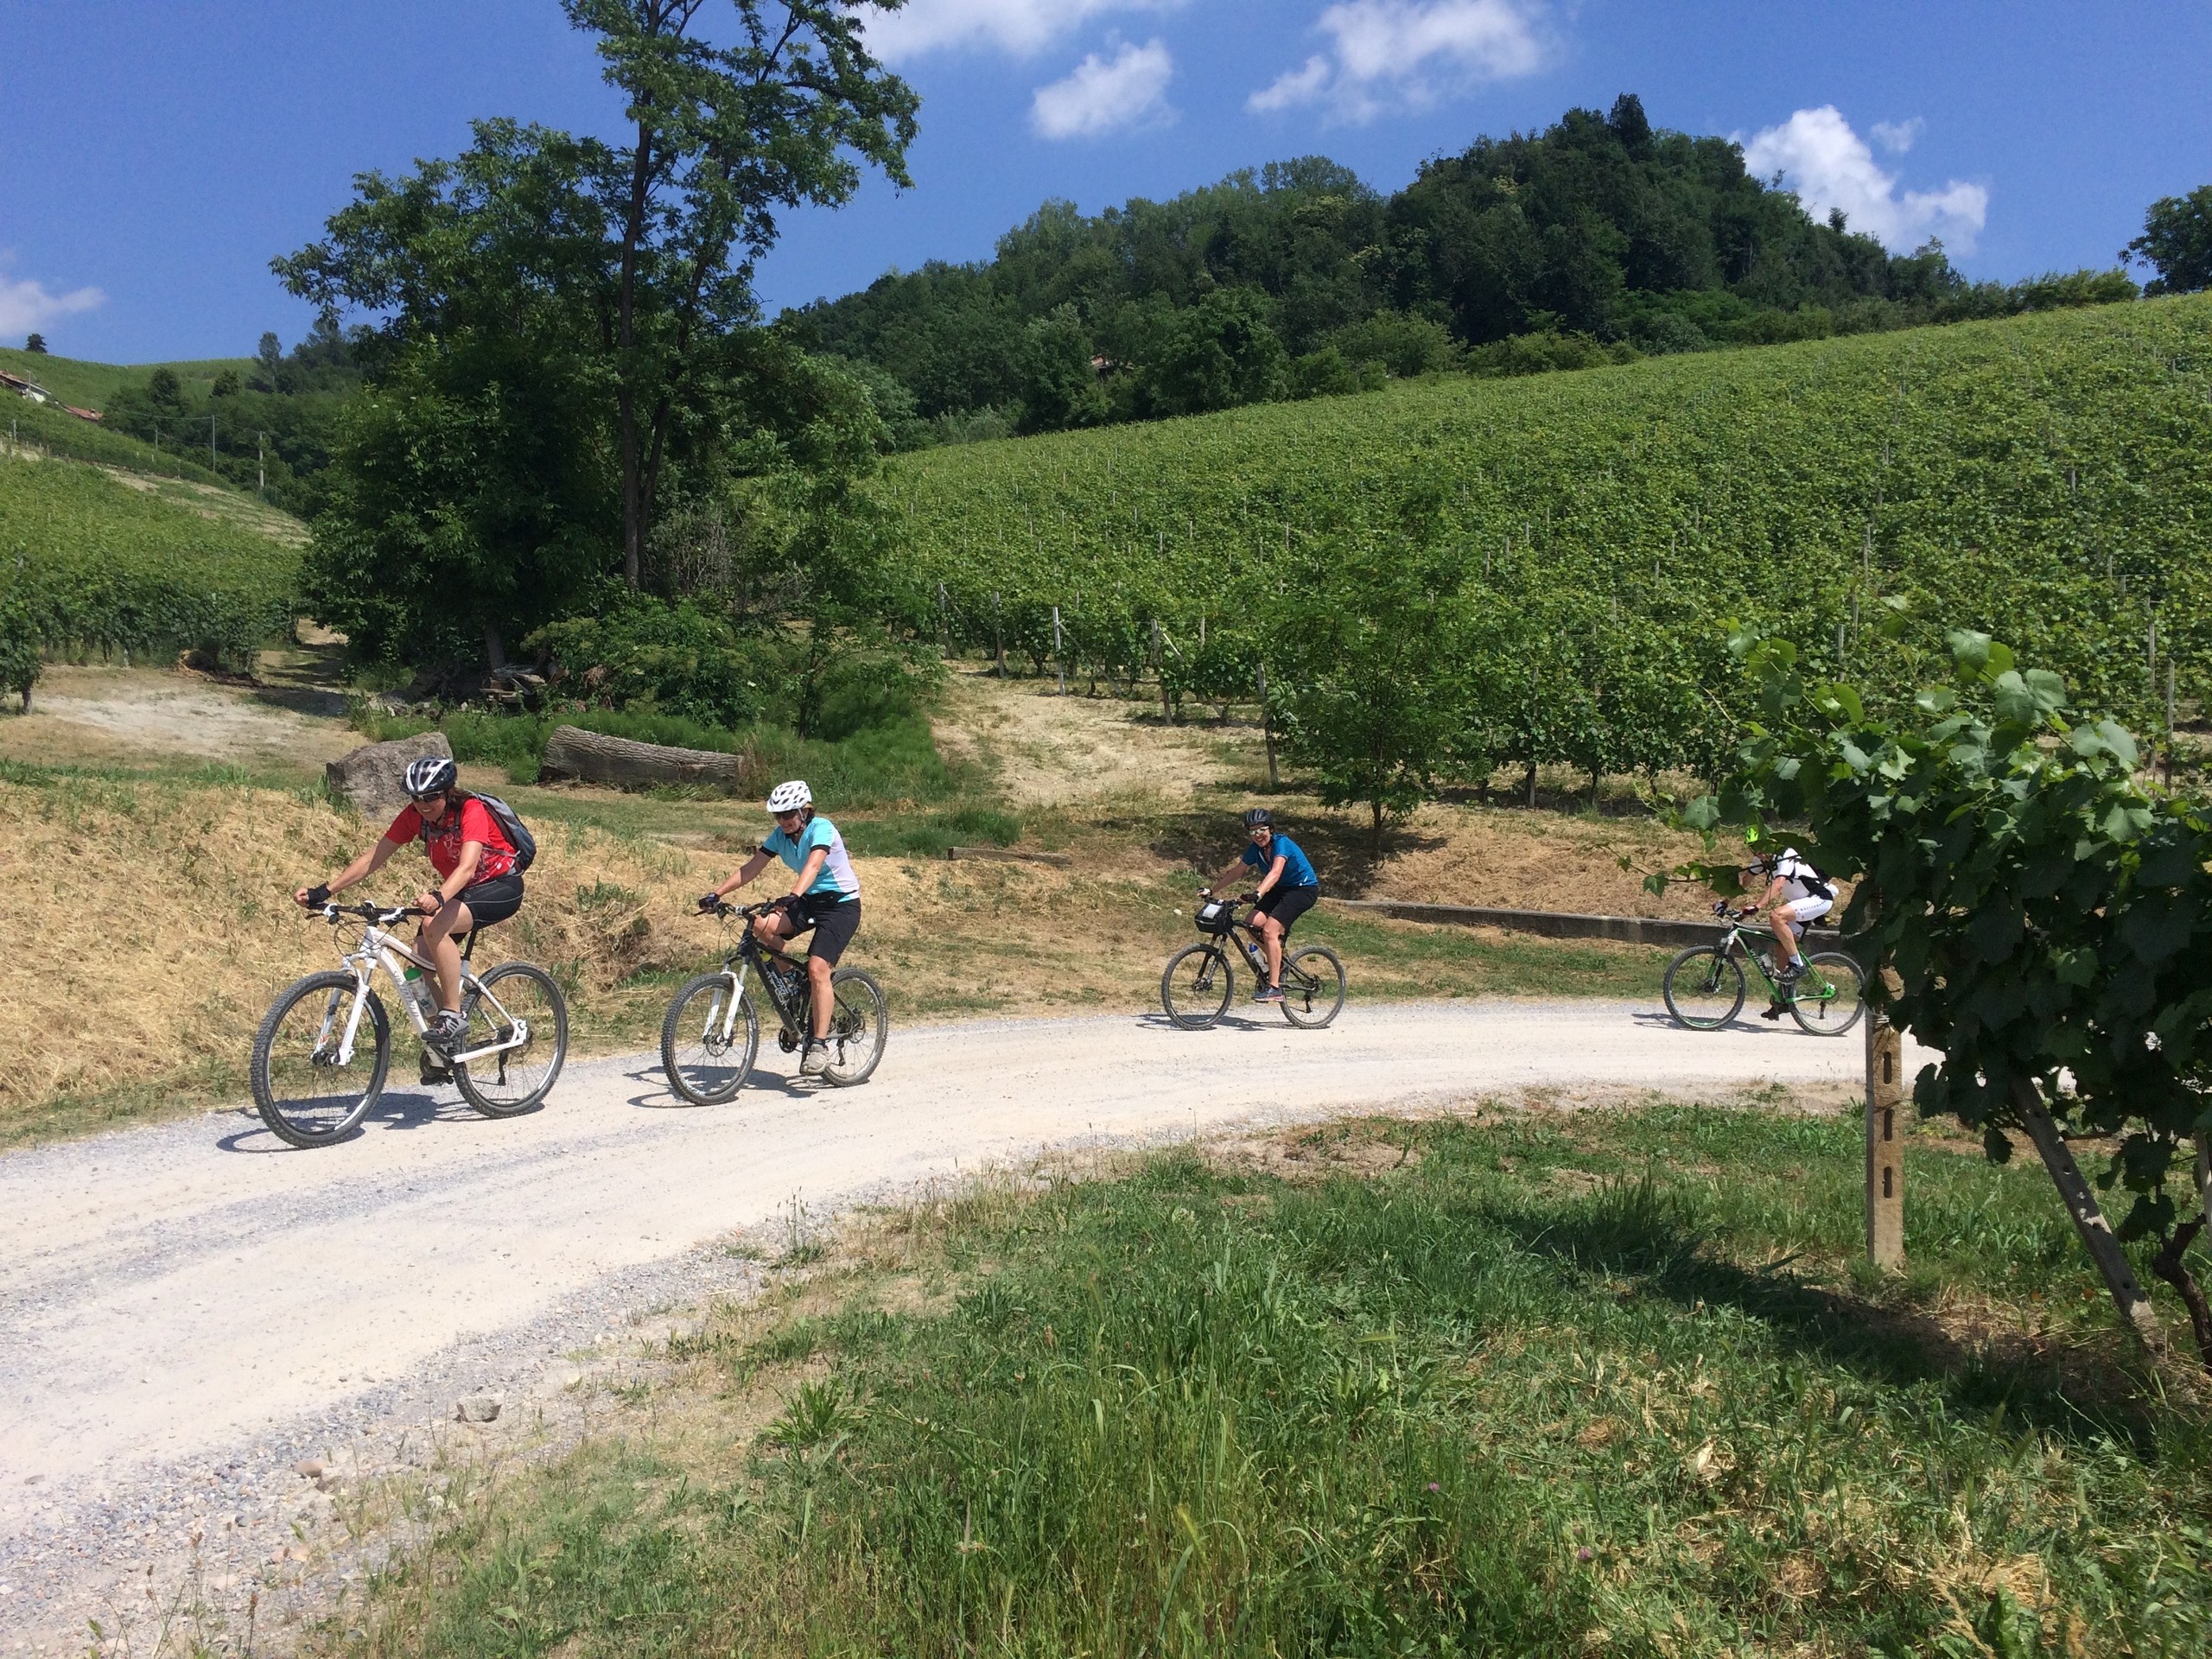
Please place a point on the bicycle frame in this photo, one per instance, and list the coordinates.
(1740, 934)
(750, 958)
(1256, 959)
(378, 949)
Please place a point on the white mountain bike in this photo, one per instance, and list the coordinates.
(324, 1050)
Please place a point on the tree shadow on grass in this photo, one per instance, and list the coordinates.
(1639, 1231)
(1208, 836)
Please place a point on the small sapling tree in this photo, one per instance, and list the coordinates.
(2049, 917)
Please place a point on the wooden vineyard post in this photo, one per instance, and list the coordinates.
(1885, 1149)
(1160, 667)
(1268, 731)
(1058, 654)
(2088, 1219)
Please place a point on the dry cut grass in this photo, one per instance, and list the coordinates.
(167, 907)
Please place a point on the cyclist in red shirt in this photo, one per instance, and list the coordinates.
(480, 884)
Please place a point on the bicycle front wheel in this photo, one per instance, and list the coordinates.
(522, 1015)
(311, 1089)
(709, 1039)
(1196, 986)
(1828, 1000)
(860, 1024)
(1704, 988)
(1312, 986)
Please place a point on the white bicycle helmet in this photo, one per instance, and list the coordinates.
(793, 797)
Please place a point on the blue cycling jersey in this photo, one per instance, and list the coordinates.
(1297, 868)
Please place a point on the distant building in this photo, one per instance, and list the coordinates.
(24, 388)
(39, 394)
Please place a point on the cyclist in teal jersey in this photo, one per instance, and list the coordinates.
(1287, 891)
(824, 899)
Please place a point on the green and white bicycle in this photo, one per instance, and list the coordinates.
(1705, 985)
(324, 1051)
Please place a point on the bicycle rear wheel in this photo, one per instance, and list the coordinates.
(1196, 985)
(1312, 986)
(707, 1046)
(307, 1095)
(860, 1024)
(514, 1079)
(1830, 997)
(1704, 988)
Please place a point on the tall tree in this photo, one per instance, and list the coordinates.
(638, 254)
(2177, 242)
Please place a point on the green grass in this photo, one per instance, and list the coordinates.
(1530, 1385)
(886, 765)
(89, 386)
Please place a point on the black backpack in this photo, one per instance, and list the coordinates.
(511, 826)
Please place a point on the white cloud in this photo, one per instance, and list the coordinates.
(1899, 137)
(1102, 97)
(1020, 26)
(1386, 54)
(1830, 167)
(25, 306)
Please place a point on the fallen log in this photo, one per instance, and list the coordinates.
(1008, 855)
(621, 763)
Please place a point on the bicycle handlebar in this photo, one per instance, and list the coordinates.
(384, 915)
(728, 912)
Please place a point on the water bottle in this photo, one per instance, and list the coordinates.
(418, 992)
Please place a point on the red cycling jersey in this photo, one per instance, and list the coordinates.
(473, 822)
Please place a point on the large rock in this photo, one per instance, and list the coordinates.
(617, 762)
(373, 775)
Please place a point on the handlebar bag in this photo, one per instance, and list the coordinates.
(1216, 915)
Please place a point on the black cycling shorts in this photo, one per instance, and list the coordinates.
(834, 918)
(493, 900)
(1287, 904)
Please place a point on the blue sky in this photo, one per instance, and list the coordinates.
(153, 157)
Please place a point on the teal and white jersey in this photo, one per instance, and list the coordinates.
(838, 874)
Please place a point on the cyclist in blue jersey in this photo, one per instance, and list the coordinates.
(1287, 891)
(825, 897)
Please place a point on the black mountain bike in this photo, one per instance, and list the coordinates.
(1198, 981)
(712, 1033)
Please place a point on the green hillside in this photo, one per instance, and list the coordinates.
(2048, 478)
(92, 563)
(89, 386)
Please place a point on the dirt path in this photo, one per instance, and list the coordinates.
(1054, 750)
(136, 716)
(186, 1310)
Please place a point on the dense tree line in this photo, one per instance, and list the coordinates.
(272, 429)
(1598, 238)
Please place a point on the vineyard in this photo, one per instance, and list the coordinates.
(92, 566)
(1448, 576)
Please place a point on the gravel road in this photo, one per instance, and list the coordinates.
(188, 1311)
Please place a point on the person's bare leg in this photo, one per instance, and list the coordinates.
(439, 940)
(1272, 931)
(774, 931)
(1785, 934)
(817, 979)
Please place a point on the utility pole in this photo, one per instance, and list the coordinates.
(210, 443)
(261, 464)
